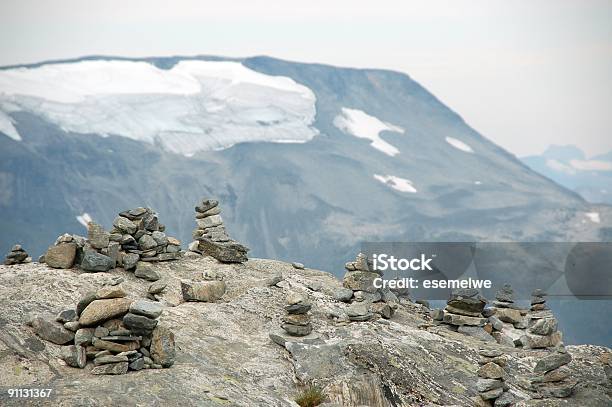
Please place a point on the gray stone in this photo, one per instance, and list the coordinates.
(546, 326)
(225, 252)
(297, 330)
(504, 400)
(206, 291)
(552, 362)
(146, 308)
(360, 280)
(104, 360)
(503, 339)
(491, 394)
(72, 326)
(137, 364)
(146, 271)
(476, 332)
(83, 336)
(93, 261)
(509, 315)
(74, 356)
(51, 330)
(61, 256)
(454, 319)
(490, 353)
(483, 385)
(66, 315)
(436, 314)
(561, 389)
(163, 350)
(97, 236)
(274, 279)
(496, 323)
(212, 211)
(210, 221)
(111, 369)
(297, 265)
(359, 311)
(157, 287)
(343, 294)
(130, 260)
(139, 324)
(160, 238)
(505, 294)
(146, 242)
(125, 225)
(467, 299)
(206, 205)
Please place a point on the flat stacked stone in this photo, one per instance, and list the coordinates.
(17, 255)
(211, 238)
(491, 377)
(542, 331)
(297, 321)
(552, 379)
(464, 311)
(115, 333)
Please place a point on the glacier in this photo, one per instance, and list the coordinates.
(194, 106)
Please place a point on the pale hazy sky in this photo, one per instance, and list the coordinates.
(524, 73)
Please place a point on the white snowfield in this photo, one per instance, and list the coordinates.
(360, 124)
(458, 144)
(194, 106)
(593, 217)
(397, 183)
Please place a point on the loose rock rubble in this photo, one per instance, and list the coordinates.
(136, 237)
(117, 334)
(211, 238)
(491, 377)
(17, 255)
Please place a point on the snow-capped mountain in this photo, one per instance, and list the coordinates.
(308, 160)
(568, 166)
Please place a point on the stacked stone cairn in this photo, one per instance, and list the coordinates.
(506, 320)
(542, 330)
(17, 255)
(136, 238)
(367, 301)
(115, 333)
(211, 238)
(491, 377)
(463, 311)
(552, 378)
(297, 321)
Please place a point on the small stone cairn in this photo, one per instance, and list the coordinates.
(17, 255)
(491, 377)
(117, 334)
(297, 321)
(135, 239)
(463, 312)
(505, 317)
(367, 301)
(542, 331)
(211, 238)
(552, 378)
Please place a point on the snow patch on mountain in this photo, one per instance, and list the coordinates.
(593, 217)
(360, 124)
(591, 165)
(397, 183)
(6, 127)
(458, 144)
(194, 106)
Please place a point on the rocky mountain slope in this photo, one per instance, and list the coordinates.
(225, 355)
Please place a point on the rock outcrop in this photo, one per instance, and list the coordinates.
(232, 351)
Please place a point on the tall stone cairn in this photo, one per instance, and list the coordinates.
(17, 255)
(211, 238)
(542, 330)
(491, 377)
